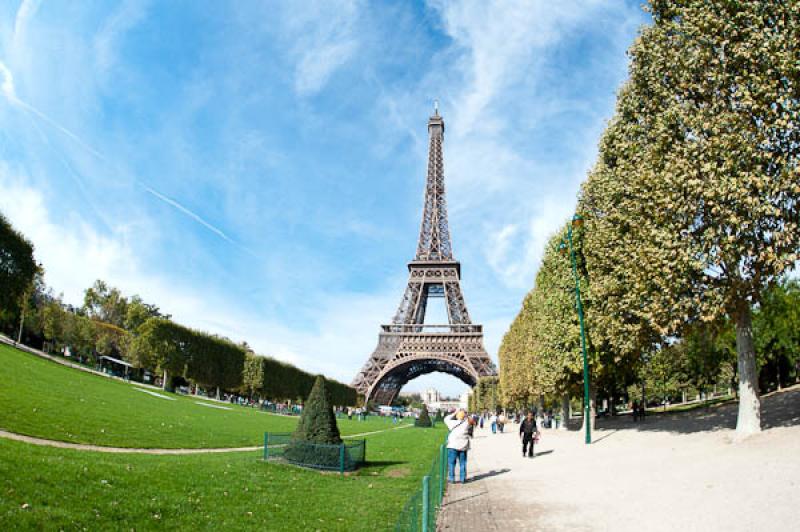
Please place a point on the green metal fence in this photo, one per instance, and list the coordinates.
(421, 509)
(346, 456)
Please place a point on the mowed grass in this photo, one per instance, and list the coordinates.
(44, 399)
(56, 489)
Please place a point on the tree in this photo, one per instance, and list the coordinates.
(137, 312)
(17, 266)
(105, 304)
(776, 324)
(318, 422)
(158, 346)
(695, 197)
(424, 419)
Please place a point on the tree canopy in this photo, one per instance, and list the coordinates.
(17, 266)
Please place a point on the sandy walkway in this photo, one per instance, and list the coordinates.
(677, 473)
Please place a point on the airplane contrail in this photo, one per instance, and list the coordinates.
(7, 88)
(187, 212)
(11, 94)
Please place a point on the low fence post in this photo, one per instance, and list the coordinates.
(442, 471)
(341, 458)
(266, 446)
(425, 497)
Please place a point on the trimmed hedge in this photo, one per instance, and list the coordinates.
(277, 381)
(424, 419)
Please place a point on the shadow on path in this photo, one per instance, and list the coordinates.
(492, 473)
(778, 409)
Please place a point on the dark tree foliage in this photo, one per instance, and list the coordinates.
(278, 381)
(318, 422)
(424, 420)
(17, 267)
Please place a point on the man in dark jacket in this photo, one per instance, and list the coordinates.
(528, 431)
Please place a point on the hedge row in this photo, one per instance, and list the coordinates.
(275, 380)
(212, 361)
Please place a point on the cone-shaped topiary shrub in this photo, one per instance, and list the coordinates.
(424, 420)
(318, 422)
(439, 417)
(315, 441)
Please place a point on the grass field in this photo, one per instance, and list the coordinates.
(44, 399)
(56, 489)
(44, 488)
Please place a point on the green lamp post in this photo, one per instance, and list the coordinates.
(577, 221)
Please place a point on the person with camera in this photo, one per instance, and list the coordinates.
(529, 434)
(460, 427)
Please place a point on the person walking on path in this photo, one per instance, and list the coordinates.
(493, 423)
(528, 432)
(459, 425)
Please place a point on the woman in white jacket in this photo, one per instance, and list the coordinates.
(457, 443)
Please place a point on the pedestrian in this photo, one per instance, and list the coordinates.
(501, 422)
(635, 411)
(493, 423)
(528, 433)
(481, 422)
(459, 425)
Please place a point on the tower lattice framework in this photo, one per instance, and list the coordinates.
(407, 347)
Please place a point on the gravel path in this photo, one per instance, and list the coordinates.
(133, 450)
(677, 472)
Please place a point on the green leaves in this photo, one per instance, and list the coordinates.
(17, 266)
(317, 422)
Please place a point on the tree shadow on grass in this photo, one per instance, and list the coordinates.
(382, 463)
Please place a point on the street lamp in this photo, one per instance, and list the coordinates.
(577, 221)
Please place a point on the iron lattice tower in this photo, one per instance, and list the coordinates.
(408, 348)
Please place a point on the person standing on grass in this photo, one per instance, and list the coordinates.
(459, 425)
(528, 433)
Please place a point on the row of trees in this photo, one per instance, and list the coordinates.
(692, 212)
(486, 395)
(267, 377)
(108, 323)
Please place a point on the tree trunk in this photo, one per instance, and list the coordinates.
(540, 411)
(592, 409)
(22, 320)
(777, 366)
(164, 384)
(748, 420)
(217, 393)
(564, 411)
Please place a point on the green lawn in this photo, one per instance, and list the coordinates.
(56, 489)
(75, 490)
(48, 400)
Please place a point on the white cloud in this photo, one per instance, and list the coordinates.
(324, 37)
(8, 84)
(25, 13)
(106, 41)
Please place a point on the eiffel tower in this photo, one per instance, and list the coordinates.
(407, 347)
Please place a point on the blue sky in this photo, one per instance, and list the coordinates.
(256, 168)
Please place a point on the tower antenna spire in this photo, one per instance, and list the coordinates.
(436, 107)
